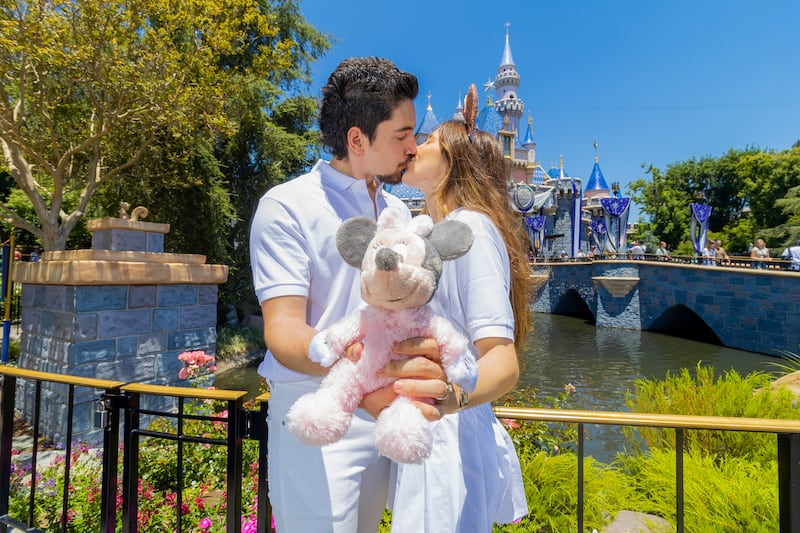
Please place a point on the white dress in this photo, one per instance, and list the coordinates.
(472, 478)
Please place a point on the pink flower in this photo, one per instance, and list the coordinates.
(509, 423)
(205, 524)
(569, 388)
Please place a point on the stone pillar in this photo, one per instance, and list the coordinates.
(121, 311)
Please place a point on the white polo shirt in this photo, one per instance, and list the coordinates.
(293, 247)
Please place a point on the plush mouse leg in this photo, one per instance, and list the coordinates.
(324, 416)
(402, 434)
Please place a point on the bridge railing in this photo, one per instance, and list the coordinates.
(119, 403)
(736, 261)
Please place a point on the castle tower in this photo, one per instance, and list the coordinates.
(428, 125)
(506, 86)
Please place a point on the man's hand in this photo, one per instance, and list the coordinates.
(420, 376)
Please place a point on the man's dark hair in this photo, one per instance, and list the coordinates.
(361, 92)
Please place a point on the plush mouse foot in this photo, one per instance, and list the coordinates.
(402, 434)
(318, 421)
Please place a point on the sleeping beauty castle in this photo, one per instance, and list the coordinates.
(563, 217)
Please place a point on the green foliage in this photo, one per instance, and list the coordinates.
(729, 395)
(233, 340)
(749, 190)
(551, 437)
(721, 494)
(90, 86)
(204, 489)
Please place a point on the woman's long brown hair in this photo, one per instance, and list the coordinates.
(475, 180)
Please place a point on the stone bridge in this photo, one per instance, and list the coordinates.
(756, 310)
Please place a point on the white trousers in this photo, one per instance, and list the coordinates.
(338, 488)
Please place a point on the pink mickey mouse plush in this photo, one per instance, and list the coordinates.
(400, 268)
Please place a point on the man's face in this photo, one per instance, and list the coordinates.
(394, 144)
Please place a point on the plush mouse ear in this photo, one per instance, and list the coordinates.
(353, 238)
(451, 238)
(421, 225)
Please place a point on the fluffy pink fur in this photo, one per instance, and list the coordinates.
(401, 432)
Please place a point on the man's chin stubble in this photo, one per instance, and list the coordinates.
(392, 179)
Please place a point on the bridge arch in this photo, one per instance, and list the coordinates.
(571, 303)
(680, 321)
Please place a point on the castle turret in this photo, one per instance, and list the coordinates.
(506, 87)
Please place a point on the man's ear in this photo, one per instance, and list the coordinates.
(356, 140)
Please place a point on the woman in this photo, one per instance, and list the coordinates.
(760, 252)
(473, 477)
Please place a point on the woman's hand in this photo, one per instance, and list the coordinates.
(421, 376)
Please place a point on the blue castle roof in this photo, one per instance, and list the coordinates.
(555, 173)
(596, 181)
(489, 120)
(429, 122)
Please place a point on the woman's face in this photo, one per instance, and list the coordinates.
(428, 167)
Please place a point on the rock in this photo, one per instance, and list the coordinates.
(633, 522)
(790, 381)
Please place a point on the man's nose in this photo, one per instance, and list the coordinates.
(411, 146)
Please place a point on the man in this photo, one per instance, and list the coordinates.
(367, 120)
(721, 254)
(637, 251)
(792, 253)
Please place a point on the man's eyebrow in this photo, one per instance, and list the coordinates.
(404, 128)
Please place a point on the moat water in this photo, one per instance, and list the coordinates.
(601, 363)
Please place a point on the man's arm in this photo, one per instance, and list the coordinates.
(288, 335)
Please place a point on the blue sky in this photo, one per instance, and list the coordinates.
(655, 82)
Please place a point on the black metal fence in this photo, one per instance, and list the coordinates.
(122, 414)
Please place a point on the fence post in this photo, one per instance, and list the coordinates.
(130, 468)
(789, 482)
(8, 393)
(110, 405)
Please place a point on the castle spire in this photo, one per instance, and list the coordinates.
(507, 59)
(596, 156)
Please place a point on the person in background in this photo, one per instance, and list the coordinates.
(722, 256)
(760, 254)
(34, 256)
(662, 254)
(792, 253)
(472, 478)
(367, 120)
(637, 251)
(709, 253)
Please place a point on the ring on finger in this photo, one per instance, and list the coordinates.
(447, 391)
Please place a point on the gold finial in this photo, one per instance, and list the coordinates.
(429, 102)
(561, 161)
(596, 156)
(530, 120)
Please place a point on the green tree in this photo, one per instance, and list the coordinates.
(91, 85)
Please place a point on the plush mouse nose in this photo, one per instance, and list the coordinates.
(387, 259)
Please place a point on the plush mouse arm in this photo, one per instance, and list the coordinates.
(329, 346)
(458, 362)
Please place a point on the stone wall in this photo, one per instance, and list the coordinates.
(122, 313)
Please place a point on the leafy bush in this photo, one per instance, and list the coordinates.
(232, 340)
(730, 395)
(721, 495)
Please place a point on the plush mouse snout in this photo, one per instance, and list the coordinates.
(387, 259)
